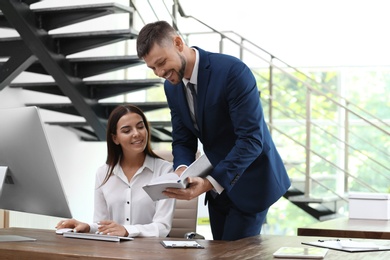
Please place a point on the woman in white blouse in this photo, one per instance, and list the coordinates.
(122, 207)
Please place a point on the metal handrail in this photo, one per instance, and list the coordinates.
(326, 160)
(311, 79)
(312, 90)
(273, 57)
(308, 82)
(349, 146)
(339, 140)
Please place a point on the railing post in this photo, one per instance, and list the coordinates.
(241, 48)
(308, 143)
(175, 7)
(131, 17)
(342, 111)
(221, 45)
(346, 148)
(270, 89)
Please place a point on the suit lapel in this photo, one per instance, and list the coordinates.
(203, 79)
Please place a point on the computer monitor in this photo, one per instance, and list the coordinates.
(29, 180)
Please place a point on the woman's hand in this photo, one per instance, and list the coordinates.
(111, 228)
(76, 225)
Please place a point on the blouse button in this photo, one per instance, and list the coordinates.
(127, 219)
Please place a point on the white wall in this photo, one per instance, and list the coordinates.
(76, 160)
(305, 32)
(76, 163)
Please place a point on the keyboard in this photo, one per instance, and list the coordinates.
(96, 237)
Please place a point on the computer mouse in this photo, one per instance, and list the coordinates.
(63, 230)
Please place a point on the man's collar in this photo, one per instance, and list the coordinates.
(194, 75)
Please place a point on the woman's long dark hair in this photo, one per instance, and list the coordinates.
(114, 151)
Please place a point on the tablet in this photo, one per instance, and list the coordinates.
(301, 252)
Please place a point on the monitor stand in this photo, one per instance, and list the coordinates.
(3, 174)
(9, 238)
(13, 238)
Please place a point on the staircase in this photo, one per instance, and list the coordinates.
(38, 51)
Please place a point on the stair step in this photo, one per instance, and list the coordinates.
(317, 211)
(50, 18)
(70, 43)
(3, 21)
(314, 206)
(292, 191)
(94, 89)
(317, 177)
(30, 2)
(82, 129)
(10, 46)
(330, 216)
(161, 131)
(102, 110)
(292, 163)
(305, 199)
(85, 132)
(92, 66)
(155, 124)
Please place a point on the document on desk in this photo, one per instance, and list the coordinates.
(181, 244)
(349, 245)
(199, 168)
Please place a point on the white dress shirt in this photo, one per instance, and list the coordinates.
(128, 204)
(194, 80)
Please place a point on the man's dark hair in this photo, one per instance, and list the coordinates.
(153, 33)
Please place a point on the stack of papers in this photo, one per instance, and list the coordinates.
(348, 245)
(358, 245)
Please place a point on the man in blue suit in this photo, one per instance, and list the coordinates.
(224, 112)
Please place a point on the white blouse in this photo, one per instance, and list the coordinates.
(128, 204)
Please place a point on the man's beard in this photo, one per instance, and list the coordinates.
(180, 73)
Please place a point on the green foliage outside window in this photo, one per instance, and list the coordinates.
(368, 149)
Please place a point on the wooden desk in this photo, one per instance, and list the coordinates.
(345, 227)
(51, 246)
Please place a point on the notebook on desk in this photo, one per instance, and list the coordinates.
(96, 237)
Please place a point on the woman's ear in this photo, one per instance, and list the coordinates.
(114, 139)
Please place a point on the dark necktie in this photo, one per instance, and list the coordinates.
(193, 93)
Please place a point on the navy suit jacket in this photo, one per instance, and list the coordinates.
(232, 130)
